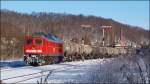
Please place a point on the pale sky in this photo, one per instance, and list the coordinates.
(135, 13)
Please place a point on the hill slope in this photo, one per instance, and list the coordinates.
(14, 26)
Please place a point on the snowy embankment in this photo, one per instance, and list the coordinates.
(123, 69)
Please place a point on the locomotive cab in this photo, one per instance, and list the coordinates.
(41, 50)
(33, 46)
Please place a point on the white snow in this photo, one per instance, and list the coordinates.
(122, 69)
(60, 73)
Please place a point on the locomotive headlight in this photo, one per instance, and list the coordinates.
(34, 51)
(31, 51)
(39, 51)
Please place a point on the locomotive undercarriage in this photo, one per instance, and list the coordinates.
(33, 59)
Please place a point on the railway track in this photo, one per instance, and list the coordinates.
(11, 69)
(43, 73)
(26, 67)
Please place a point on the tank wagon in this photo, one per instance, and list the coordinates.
(42, 49)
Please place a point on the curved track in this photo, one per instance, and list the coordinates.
(11, 69)
(43, 71)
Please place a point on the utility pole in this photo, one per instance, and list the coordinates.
(86, 28)
(28, 31)
(13, 49)
(104, 27)
(120, 34)
(121, 38)
(103, 36)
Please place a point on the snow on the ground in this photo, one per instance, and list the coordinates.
(59, 73)
(123, 69)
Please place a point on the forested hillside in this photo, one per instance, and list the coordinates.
(14, 26)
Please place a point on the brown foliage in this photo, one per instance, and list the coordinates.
(67, 26)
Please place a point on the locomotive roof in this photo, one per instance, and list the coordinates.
(48, 36)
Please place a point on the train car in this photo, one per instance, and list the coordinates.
(42, 49)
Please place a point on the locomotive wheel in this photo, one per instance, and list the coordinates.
(27, 61)
(48, 60)
(60, 59)
(55, 60)
(40, 61)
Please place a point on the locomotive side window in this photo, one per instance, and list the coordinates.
(38, 41)
(29, 41)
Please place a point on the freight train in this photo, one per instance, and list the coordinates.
(42, 49)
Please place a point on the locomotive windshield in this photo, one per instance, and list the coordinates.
(29, 41)
(38, 41)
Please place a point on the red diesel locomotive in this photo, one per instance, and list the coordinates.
(43, 49)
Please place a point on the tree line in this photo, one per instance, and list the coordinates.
(14, 26)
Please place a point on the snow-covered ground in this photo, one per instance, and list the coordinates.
(131, 68)
(55, 73)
